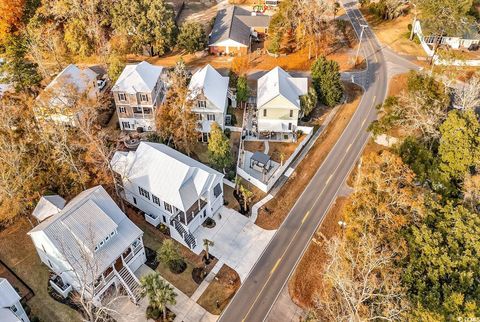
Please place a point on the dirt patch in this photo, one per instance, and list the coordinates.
(307, 277)
(229, 198)
(279, 206)
(254, 146)
(220, 291)
(281, 151)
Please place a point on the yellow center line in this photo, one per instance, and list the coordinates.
(348, 148)
(329, 178)
(276, 265)
(294, 236)
(305, 217)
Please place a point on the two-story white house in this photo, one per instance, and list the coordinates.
(138, 92)
(91, 247)
(170, 188)
(57, 102)
(278, 103)
(11, 310)
(209, 90)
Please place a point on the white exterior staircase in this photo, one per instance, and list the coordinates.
(130, 283)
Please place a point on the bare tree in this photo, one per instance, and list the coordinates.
(84, 266)
(359, 283)
(468, 96)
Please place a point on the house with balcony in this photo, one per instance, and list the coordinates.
(209, 91)
(11, 310)
(91, 247)
(58, 102)
(170, 188)
(138, 93)
(278, 104)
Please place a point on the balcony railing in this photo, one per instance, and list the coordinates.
(104, 282)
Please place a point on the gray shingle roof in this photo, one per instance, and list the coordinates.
(235, 23)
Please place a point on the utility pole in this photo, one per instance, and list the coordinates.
(360, 42)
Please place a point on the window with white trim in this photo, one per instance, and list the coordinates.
(126, 125)
(156, 200)
(168, 207)
(122, 96)
(291, 113)
(144, 193)
(122, 109)
(201, 103)
(143, 97)
(211, 117)
(265, 112)
(217, 190)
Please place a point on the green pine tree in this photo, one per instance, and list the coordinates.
(327, 82)
(220, 154)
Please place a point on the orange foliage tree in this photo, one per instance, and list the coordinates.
(11, 14)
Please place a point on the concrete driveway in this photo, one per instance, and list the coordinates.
(237, 241)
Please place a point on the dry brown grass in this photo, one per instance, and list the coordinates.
(394, 34)
(221, 290)
(287, 148)
(18, 252)
(254, 146)
(290, 192)
(397, 84)
(307, 278)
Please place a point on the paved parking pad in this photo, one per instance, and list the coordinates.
(238, 242)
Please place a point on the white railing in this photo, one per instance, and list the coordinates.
(152, 219)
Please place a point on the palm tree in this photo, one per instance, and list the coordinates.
(282, 158)
(207, 243)
(247, 196)
(237, 183)
(159, 292)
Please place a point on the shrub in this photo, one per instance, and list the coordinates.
(153, 313)
(177, 266)
(227, 132)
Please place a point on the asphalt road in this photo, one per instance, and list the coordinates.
(260, 290)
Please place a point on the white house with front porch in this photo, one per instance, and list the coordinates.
(91, 247)
(209, 91)
(278, 103)
(11, 310)
(170, 188)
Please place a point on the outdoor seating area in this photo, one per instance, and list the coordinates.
(258, 165)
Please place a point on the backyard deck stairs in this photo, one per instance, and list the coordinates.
(187, 236)
(130, 283)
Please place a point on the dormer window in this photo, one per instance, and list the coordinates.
(144, 97)
(104, 241)
(201, 103)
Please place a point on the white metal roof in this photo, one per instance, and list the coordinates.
(272, 125)
(8, 295)
(48, 206)
(82, 80)
(168, 174)
(278, 82)
(81, 223)
(137, 78)
(8, 316)
(213, 85)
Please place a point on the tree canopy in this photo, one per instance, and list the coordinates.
(326, 81)
(191, 37)
(219, 151)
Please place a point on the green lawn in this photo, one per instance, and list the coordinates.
(18, 252)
